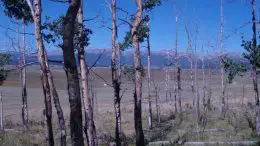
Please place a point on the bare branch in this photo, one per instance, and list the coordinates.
(108, 5)
(8, 28)
(101, 78)
(27, 64)
(93, 18)
(125, 21)
(96, 61)
(122, 10)
(236, 30)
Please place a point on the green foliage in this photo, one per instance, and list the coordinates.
(253, 53)
(4, 60)
(233, 68)
(129, 72)
(143, 31)
(53, 32)
(150, 4)
(18, 9)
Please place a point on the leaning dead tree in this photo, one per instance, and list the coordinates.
(90, 130)
(71, 71)
(138, 75)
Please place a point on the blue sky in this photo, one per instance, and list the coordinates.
(203, 13)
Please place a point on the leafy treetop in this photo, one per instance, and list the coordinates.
(253, 53)
(53, 32)
(18, 9)
(233, 68)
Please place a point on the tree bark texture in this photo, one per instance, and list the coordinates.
(44, 71)
(23, 82)
(138, 76)
(116, 75)
(90, 130)
(71, 71)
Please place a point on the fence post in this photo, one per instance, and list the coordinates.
(1, 112)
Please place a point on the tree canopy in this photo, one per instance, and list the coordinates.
(18, 9)
(53, 32)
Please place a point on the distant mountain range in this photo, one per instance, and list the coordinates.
(159, 59)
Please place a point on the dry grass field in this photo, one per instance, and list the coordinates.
(173, 127)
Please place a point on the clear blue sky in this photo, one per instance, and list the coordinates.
(204, 13)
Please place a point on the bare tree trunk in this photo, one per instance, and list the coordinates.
(71, 71)
(192, 81)
(254, 69)
(116, 75)
(167, 77)
(221, 55)
(23, 81)
(157, 104)
(208, 87)
(175, 103)
(44, 70)
(204, 102)
(197, 90)
(90, 130)
(47, 79)
(191, 59)
(196, 79)
(138, 76)
(57, 105)
(149, 79)
(178, 68)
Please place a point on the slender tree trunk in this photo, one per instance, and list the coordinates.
(221, 55)
(157, 105)
(192, 81)
(178, 69)
(196, 79)
(47, 79)
(254, 43)
(57, 105)
(44, 70)
(197, 91)
(138, 76)
(208, 87)
(23, 81)
(254, 68)
(175, 103)
(71, 71)
(149, 79)
(204, 102)
(90, 130)
(191, 56)
(116, 75)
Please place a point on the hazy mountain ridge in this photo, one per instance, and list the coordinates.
(158, 58)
